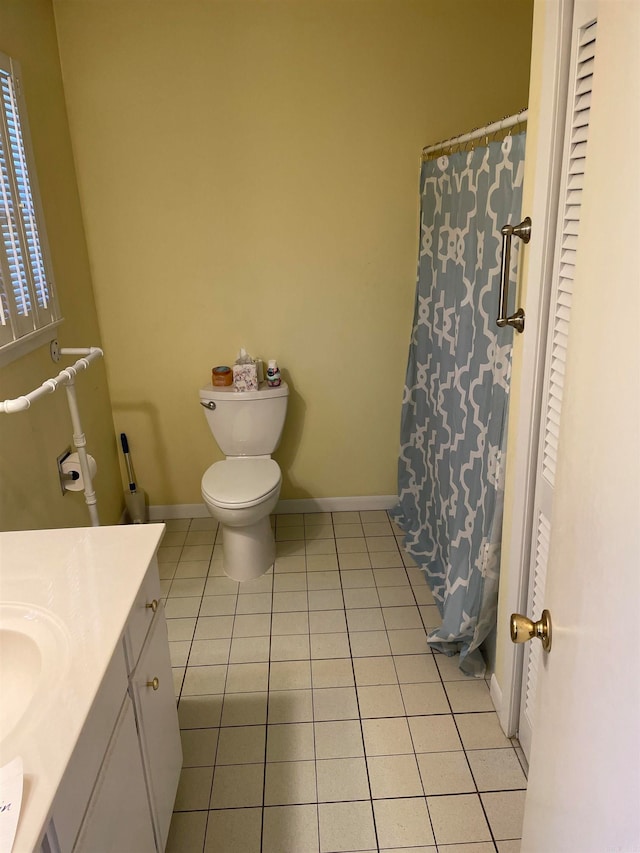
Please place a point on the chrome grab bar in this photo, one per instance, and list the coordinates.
(523, 231)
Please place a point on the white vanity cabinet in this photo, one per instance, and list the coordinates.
(119, 788)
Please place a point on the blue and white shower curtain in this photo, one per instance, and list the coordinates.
(454, 410)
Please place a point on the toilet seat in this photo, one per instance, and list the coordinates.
(241, 482)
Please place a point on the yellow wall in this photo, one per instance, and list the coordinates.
(248, 174)
(30, 441)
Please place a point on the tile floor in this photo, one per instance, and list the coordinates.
(314, 719)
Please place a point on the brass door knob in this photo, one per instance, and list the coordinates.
(153, 605)
(523, 629)
(155, 683)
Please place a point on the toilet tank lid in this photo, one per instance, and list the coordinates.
(239, 481)
(221, 392)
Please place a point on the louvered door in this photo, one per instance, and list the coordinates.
(572, 181)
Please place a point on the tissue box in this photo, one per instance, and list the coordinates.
(245, 377)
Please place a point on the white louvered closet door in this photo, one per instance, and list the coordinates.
(583, 54)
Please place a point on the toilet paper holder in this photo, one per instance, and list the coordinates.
(69, 474)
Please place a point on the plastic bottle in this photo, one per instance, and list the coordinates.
(273, 374)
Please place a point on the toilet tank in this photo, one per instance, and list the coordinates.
(246, 423)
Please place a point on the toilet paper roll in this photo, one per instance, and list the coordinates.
(72, 464)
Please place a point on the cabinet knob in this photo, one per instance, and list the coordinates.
(155, 683)
(153, 605)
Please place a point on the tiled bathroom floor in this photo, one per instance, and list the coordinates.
(314, 719)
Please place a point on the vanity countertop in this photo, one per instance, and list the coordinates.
(80, 584)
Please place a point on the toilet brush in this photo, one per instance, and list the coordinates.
(135, 497)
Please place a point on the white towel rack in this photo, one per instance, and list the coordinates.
(66, 377)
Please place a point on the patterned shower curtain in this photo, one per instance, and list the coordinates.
(454, 410)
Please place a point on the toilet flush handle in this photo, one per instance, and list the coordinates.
(208, 405)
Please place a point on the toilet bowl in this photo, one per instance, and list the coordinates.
(240, 493)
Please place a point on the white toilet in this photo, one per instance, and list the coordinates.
(241, 491)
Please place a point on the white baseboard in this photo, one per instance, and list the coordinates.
(495, 692)
(160, 512)
(349, 504)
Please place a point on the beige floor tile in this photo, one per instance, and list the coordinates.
(423, 595)
(289, 519)
(403, 822)
(200, 537)
(192, 569)
(402, 618)
(325, 599)
(324, 580)
(392, 577)
(213, 627)
(290, 706)
(353, 545)
(413, 669)
(256, 602)
(395, 596)
(379, 544)
(366, 619)
(330, 646)
(458, 819)
(177, 673)
(241, 745)
(322, 563)
(327, 622)
(470, 695)
(232, 829)
(218, 605)
(335, 703)
(377, 528)
(237, 786)
(375, 670)
(408, 642)
(196, 552)
(291, 563)
(177, 524)
(180, 630)
(311, 518)
(166, 571)
(187, 831)
(353, 561)
(314, 532)
(346, 827)
(244, 709)
(430, 616)
(449, 668)
(445, 773)
(342, 779)
(261, 584)
(221, 586)
(512, 846)
(286, 602)
(496, 769)
(290, 675)
(289, 623)
(384, 700)
(290, 783)
(290, 742)
(290, 582)
(361, 598)
(481, 731)
(193, 789)
(209, 652)
(357, 578)
(203, 523)
(291, 533)
(424, 699)
(369, 644)
(394, 776)
(252, 625)
(249, 649)
(320, 546)
(436, 733)
(179, 652)
(290, 647)
(289, 829)
(387, 736)
(472, 847)
(169, 554)
(199, 747)
(338, 739)
(385, 559)
(182, 608)
(290, 549)
(200, 712)
(371, 515)
(348, 531)
(336, 672)
(247, 677)
(204, 679)
(505, 811)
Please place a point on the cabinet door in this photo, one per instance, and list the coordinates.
(158, 726)
(118, 819)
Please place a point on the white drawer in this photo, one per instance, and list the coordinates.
(145, 605)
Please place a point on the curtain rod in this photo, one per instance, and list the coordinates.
(495, 127)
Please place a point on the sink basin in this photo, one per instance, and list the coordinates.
(34, 651)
